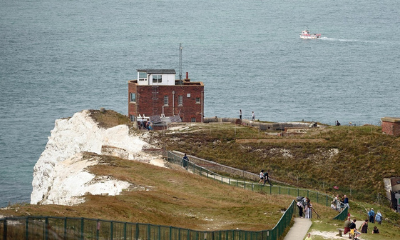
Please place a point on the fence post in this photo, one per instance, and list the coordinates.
(125, 230)
(82, 228)
(65, 228)
(137, 231)
(46, 228)
(26, 228)
(111, 230)
(5, 229)
(148, 231)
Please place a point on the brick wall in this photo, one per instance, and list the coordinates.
(150, 100)
(391, 128)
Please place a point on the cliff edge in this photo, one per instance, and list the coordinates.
(59, 176)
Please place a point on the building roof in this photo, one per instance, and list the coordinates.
(157, 71)
(390, 119)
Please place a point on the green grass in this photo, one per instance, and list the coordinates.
(354, 158)
(169, 197)
(177, 198)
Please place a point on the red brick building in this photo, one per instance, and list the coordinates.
(391, 126)
(156, 92)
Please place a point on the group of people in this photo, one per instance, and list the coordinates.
(253, 115)
(264, 177)
(340, 202)
(372, 217)
(145, 125)
(305, 207)
(351, 228)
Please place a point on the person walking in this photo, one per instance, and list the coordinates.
(240, 114)
(371, 215)
(185, 162)
(261, 176)
(378, 217)
(266, 178)
(253, 116)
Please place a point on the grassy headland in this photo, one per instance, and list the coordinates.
(356, 159)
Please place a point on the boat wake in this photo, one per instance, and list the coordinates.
(338, 39)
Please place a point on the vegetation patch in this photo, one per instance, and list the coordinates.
(109, 118)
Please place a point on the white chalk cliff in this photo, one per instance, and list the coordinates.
(59, 176)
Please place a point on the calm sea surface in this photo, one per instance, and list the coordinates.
(60, 57)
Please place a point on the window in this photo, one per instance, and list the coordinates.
(133, 97)
(142, 76)
(157, 78)
(193, 119)
(165, 100)
(180, 100)
(132, 118)
(198, 100)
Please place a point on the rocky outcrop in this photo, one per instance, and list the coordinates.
(60, 175)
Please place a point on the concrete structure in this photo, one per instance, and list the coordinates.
(392, 187)
(156, 92)
(391, 126)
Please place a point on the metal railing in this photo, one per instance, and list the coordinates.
(314, 196)
(343, 214)
(48, 228)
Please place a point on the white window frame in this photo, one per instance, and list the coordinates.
(157, 78)
(142, 76)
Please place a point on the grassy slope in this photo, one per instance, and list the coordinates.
(169, 197)
(180, 199)
(365, 156)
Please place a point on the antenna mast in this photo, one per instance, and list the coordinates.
(180, 62)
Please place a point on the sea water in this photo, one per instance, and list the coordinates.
(60, 57)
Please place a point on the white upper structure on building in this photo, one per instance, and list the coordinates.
(159, 77)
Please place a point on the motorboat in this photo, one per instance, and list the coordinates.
(305, 34)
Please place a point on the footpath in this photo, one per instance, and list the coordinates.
(299, 229)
